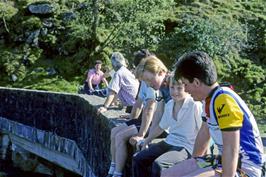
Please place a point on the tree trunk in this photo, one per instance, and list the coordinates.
(95, 7)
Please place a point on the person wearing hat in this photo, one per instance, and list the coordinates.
(94, 78)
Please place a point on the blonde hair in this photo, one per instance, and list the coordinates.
(151, 64)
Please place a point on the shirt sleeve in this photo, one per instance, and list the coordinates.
(115, 84)
(90, 74)
(228, 113)
(150, 94)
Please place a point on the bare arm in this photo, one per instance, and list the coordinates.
(147, 115)
(230, 152)
(202, 141)
(136, 110)
(157, 115)
(111, 96)
(156, 131)
(90, 84)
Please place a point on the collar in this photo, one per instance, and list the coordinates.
(212, 92)
(208, 101)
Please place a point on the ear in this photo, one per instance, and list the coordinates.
(161, 73)
(196, 82)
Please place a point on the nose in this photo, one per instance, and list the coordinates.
(186, 89)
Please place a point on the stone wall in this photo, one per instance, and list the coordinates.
(72, 116)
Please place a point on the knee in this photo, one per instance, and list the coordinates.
(115, 131)
(120, 139)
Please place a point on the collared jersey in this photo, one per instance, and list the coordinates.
(183, 127)
(225, 110)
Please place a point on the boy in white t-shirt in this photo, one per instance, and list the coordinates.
(182, 119)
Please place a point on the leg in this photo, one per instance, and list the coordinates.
(86, 88)
(181, 169)
(204, 172)
(169, 159)
(114, 132)
(121, 141)
(143, 160)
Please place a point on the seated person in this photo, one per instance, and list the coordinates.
(123, 85)
(182, 119)
(120, 135)
(226, 119)
(94, 77)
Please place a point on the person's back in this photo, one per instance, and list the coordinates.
(125, 85)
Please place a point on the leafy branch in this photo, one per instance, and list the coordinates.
(4, 21)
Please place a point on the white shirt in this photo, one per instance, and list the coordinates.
(184, 129)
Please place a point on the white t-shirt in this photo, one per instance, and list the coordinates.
(184, 129)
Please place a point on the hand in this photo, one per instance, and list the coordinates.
(101, 110)
(134, 139)
(145, 145)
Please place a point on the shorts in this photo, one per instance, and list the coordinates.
(136, 122)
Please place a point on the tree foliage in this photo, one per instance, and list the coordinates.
(78, 32)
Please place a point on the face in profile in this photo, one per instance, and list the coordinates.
(153, 80)
(177, 89)
(98, 66)
(193, 89)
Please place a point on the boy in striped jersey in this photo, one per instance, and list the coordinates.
(226, 119)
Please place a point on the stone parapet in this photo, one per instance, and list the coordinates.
(71, 116)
